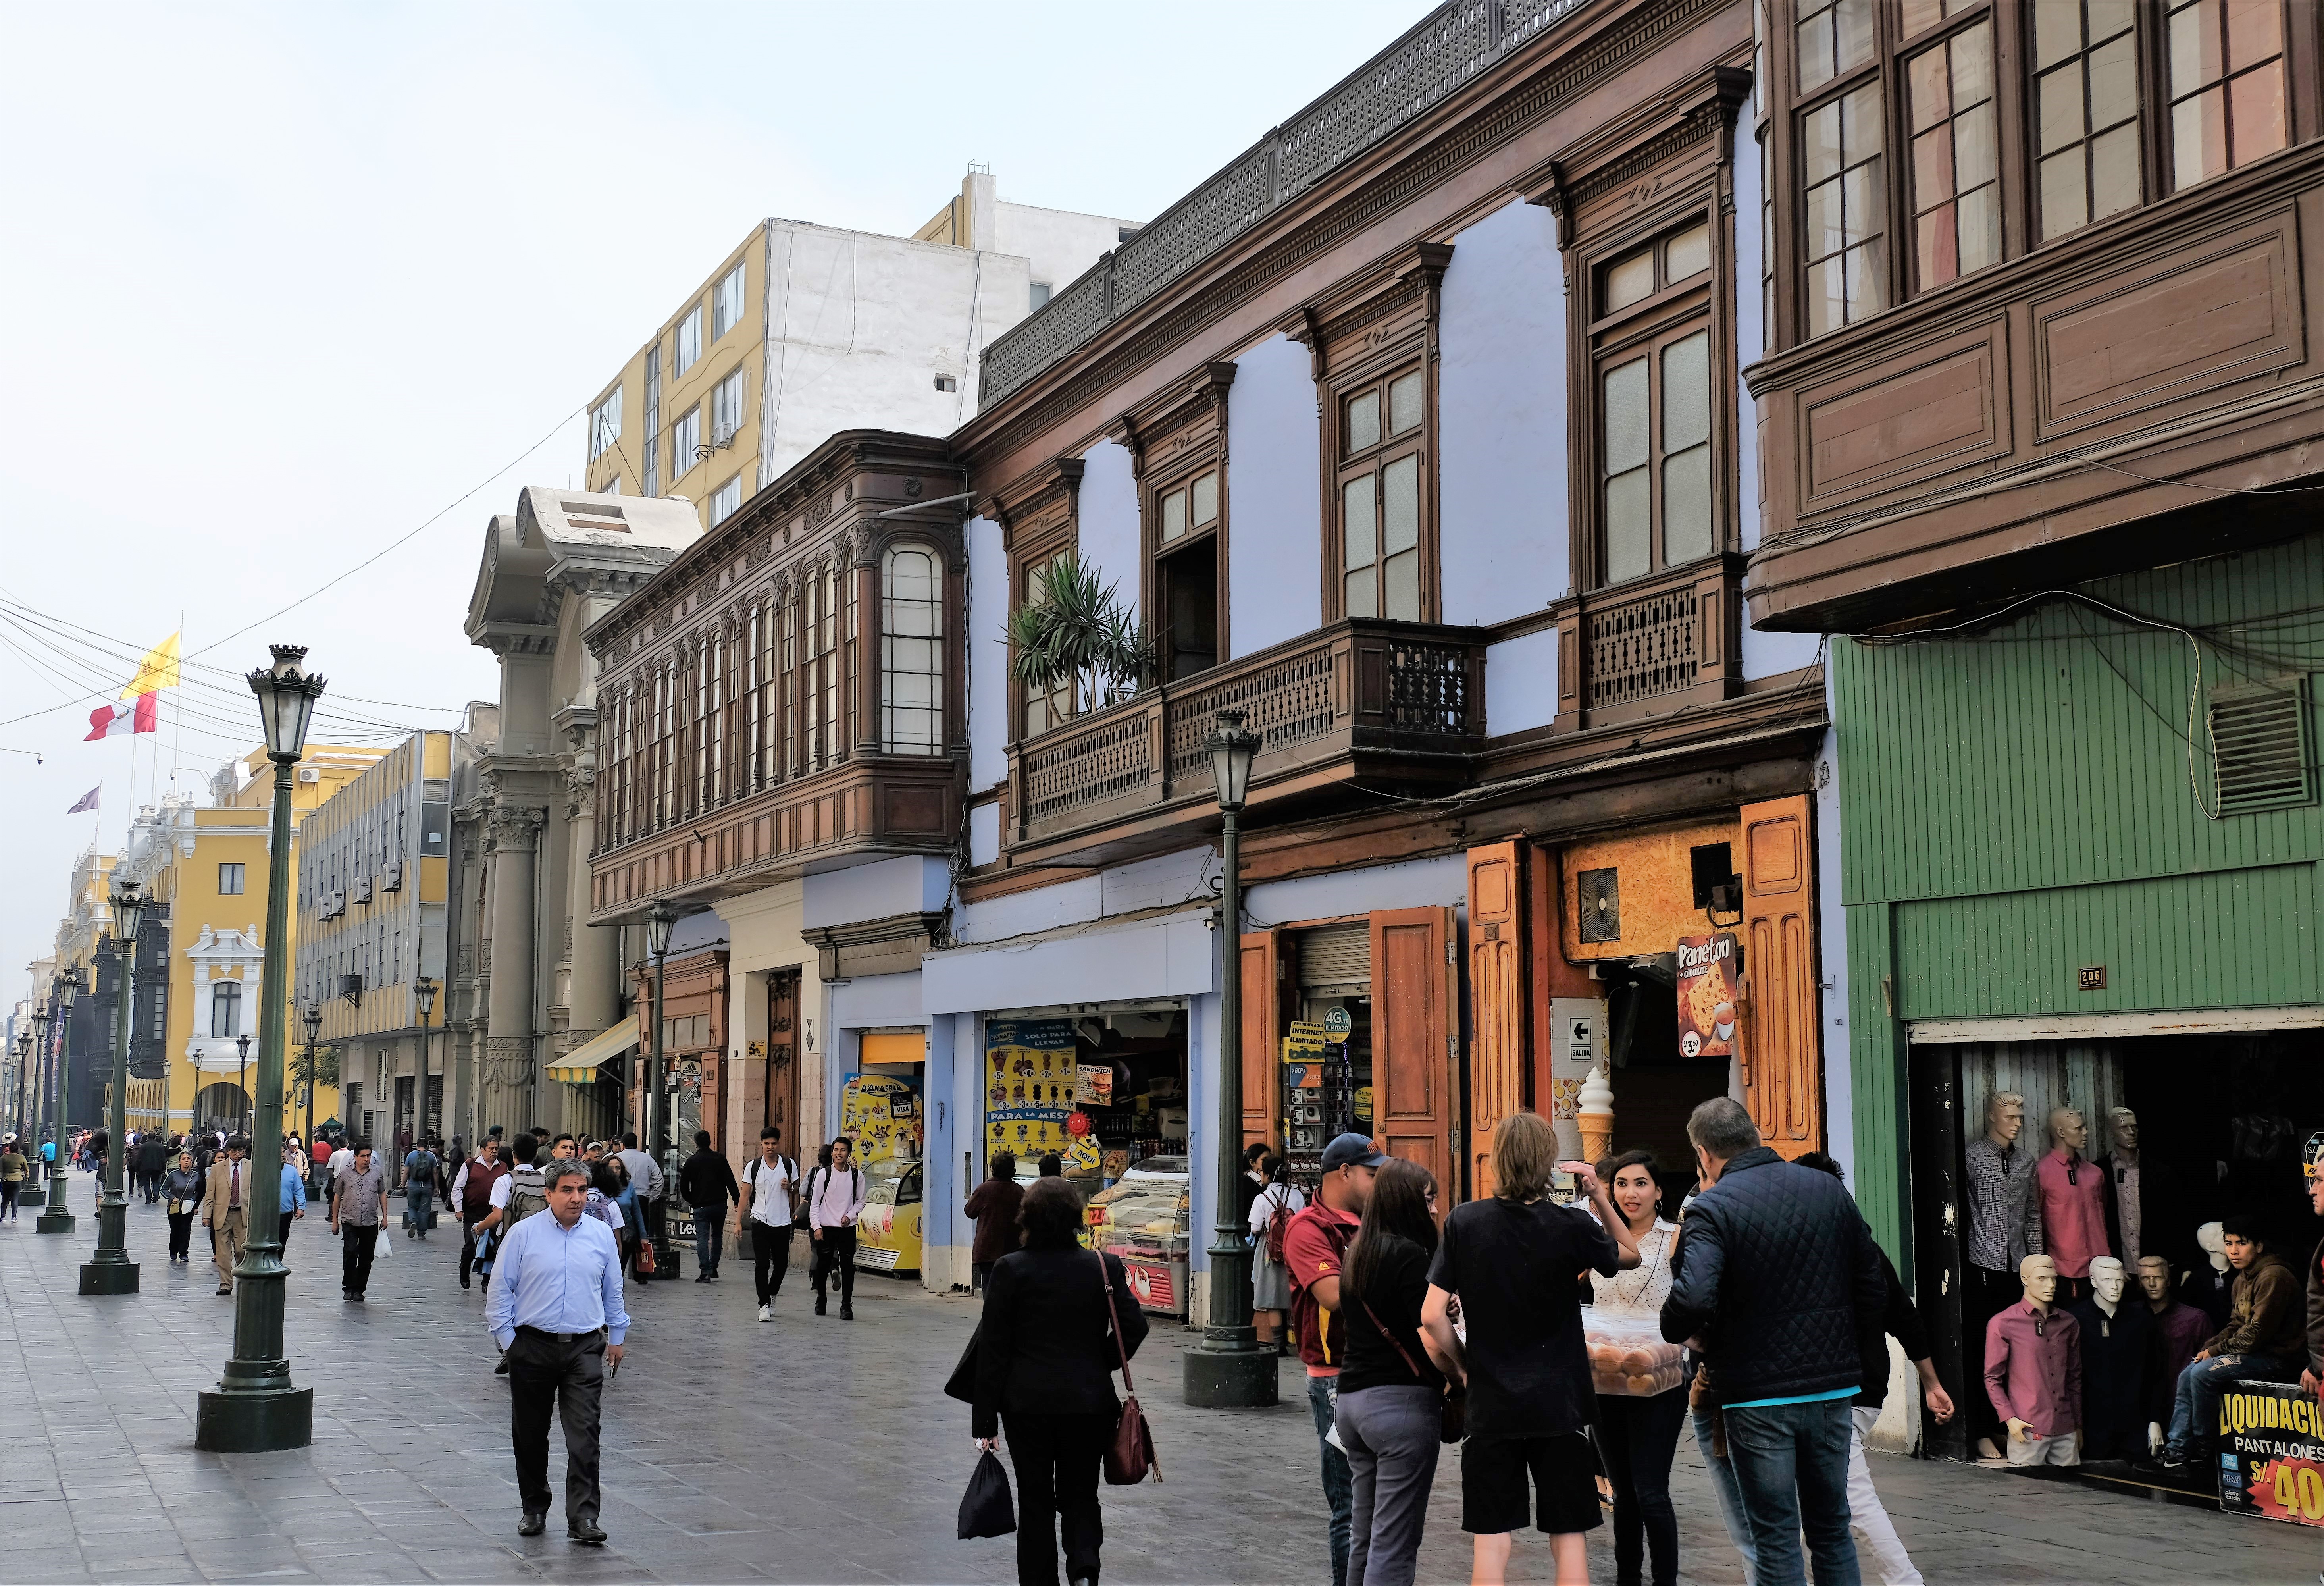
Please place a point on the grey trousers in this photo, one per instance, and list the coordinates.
(1392, 1439)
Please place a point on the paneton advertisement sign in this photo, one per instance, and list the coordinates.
(2271, 1452)
(1706, 995)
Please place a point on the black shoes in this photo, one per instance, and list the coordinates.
(818, 1305)
(356, 1297)
(846, 1311)
(532, 1525)
(702, 1277)
(586, 1531)
(463, 1281)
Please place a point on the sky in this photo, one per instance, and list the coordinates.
(286, 284)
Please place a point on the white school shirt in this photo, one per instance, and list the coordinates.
(771, 1192)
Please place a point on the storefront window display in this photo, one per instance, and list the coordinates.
(1143, 1220)
(1102, 1091)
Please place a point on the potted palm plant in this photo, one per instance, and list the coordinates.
(1073, 629)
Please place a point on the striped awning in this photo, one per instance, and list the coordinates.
(580, 1066)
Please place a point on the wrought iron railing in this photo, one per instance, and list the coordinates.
(1448, 48)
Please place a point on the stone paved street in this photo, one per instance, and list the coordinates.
(805, 1451)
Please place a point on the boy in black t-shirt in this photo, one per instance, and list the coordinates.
(1511, 1260)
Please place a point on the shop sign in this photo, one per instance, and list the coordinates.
(1082, 1155)
(1706, 995)
(1030, 1079)
(880, 1114)
(1576, 1050)
(1338, 1022)
(1093, 1084)
(1304, 1043)
(2273, 1463)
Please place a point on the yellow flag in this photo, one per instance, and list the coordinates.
(159, 669)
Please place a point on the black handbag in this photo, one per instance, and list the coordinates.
(985, 1509)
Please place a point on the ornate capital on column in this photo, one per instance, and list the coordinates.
(513, 827)
(580, 777)
(508, 1061)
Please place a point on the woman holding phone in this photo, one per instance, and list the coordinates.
(1640, 1436)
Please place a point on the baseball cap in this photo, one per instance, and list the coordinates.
(1352, 1150)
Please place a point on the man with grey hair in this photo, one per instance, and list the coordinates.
(557, 1314)
(1776, 1270)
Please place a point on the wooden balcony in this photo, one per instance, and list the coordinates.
(1364, 703)
(869, 807)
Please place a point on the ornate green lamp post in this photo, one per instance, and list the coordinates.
(255, 1408)
(58, 1217)
(110, 1270)
(28, 1120)
(660, 919)
(1228, 1370)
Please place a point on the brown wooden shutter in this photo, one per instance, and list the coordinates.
(1498, 1019)
(1413, 1096)
(1263, 980)
(1783, 1065)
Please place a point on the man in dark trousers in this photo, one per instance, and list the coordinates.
(357, 1197)
(834, 1199)
(1775, 1268)
(708, 1181)
(556, 1313)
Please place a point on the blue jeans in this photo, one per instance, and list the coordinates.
(1339, 1481)
(1730, 1500)
(1791, 1469)
(2195, 1412)
(709, 1236)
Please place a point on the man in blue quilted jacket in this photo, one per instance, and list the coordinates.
(1779, 1289)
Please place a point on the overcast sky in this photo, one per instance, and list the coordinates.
(283, 282)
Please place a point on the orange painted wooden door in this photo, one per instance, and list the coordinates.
(1264, 976)
(1415, 1098)
(1783, 1060)
(1497, 1021)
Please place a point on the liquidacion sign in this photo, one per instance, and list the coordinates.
(2272, 1453)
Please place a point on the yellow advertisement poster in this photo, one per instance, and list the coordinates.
(882, 1115)
(1030, 1078)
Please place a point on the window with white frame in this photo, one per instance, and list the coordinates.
(653, 482)
(729, 497)
(688, 338)
(726, 303)
(911, 651)
(726, 406)
(605, 424)
(685, 438)
(226, 1009)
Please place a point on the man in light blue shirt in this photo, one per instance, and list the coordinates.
(556, 1312)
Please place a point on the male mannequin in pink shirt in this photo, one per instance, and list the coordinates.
(2074, 1194)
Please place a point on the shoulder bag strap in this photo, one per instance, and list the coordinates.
(1105, 1282)
(1391, 1338)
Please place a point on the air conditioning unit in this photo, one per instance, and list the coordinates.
(350, 988)
(363, 890)
(307, 773)
(339, 906)
(392, 881)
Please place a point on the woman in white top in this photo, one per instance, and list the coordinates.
(1638, 1437)
(1270, 1280)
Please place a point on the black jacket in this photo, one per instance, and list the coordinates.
(1778, 1275)
(1898, 1319)
(1045, 1346)
(707, 1179)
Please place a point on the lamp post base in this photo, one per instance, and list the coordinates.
(57, 1220)
(1240, 1375)
(31, 1194)
(108, 1277)
(264, 1420)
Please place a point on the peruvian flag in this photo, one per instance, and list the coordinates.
(113, 721)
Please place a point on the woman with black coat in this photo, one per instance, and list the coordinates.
(1045, 1364)
(182, 1188)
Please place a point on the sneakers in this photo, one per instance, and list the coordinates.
(766, 1313)
(818, 1305)
(846, 1311)
(702, 1277)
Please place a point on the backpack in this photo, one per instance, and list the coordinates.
(804, 1216)
(527, 1195)
(1278, 1221)
(750, 1177)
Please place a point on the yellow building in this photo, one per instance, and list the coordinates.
(806, 330)
(202, 951)
(370, 901)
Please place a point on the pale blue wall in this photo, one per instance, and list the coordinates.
(1501, 398)
(1109, 519)
(911, 884)
(1521, 682)
(1275, 574)
(988, 656)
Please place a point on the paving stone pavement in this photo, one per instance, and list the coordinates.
(809, 1449)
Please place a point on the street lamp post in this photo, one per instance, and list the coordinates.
(424, 990)
(659, 920)
(110, 1270)
(1228, 1370)
(313, 1019)
(29, 1130)
(16, 1082)
(58, 1217)
(255, 1408)
(241, 1080)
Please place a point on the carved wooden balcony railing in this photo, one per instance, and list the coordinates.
(1648, 646)
(1362, 701)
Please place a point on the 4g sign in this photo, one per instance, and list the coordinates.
(2272, 1465)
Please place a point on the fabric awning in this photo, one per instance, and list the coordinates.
(580, 1066)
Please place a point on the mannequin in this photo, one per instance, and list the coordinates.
(2034, 1371)
(2120, 1165)
(2004, 1227)
(2074, 1194)
(2211, 1289)
(2180, 1330)
(2118, 1344)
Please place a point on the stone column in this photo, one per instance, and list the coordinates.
(594, 955)
(512, 838)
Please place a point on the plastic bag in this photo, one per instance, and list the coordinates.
(1629, 1356)
(985, 1508)
(383, 1246)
